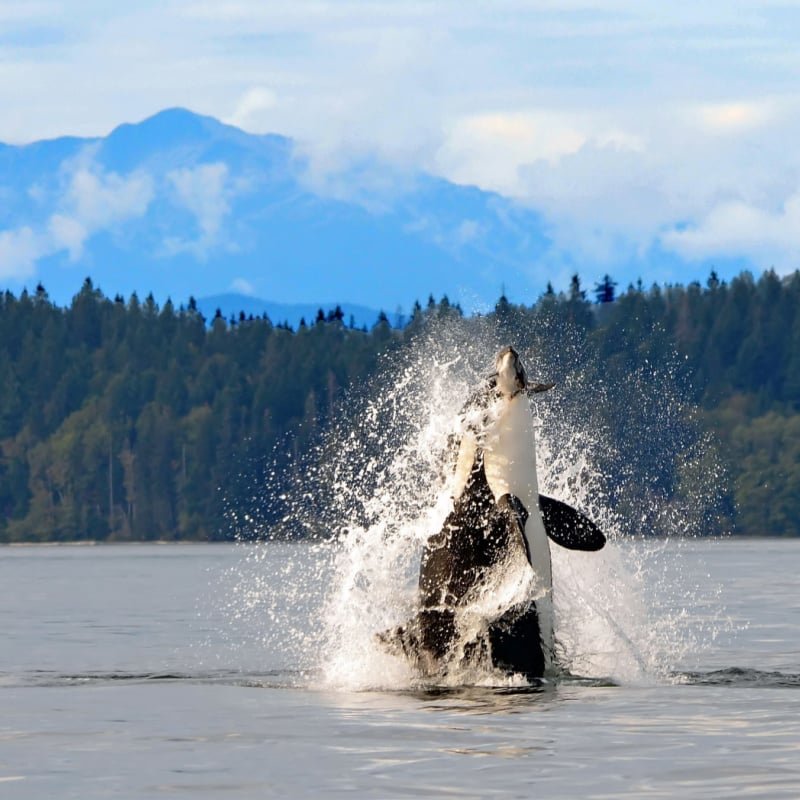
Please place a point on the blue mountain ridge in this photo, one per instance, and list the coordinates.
(182, 204)
(231, 305)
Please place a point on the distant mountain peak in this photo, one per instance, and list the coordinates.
(181, 127)
(169, 125)
(179, 115)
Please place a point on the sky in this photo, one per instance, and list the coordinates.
(631, 126)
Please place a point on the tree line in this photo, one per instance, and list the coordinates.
(126, 420)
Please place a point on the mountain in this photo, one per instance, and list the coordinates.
(231, 305)
(182, 204)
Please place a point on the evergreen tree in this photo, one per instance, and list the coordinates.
(604, 291)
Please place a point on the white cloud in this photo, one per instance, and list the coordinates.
(19, 251)
(649, 180)
(205, 191)
(243, 286)
(488, 149)
(252, 110)
(450, 236)
(469, 230)
(99, 199)
(734, 117)
(67, 233)
(92, 201)
(768, 238)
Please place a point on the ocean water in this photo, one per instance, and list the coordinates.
(251, 671)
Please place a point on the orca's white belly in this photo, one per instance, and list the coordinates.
(510, 452)
(510, 463)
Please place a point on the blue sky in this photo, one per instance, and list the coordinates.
(632, 128)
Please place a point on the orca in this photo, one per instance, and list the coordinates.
(498, 523)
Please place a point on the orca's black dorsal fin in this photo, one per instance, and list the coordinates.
(568, 527)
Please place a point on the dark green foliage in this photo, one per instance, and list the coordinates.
(126, 421)
(129, 421)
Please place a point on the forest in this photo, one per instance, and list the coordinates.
(124, 420)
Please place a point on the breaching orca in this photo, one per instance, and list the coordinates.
(499, 522)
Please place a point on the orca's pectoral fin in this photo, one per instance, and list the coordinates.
(568, 527)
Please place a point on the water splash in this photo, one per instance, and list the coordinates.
(377, 487)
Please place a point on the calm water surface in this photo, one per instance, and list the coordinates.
(126, 672)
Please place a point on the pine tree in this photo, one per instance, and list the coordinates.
(604, 291)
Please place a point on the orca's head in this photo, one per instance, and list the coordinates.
(509, 377)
